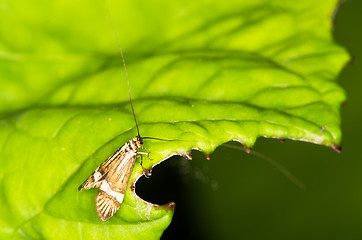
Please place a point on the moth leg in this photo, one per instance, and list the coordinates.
(143, 153)
(146, 172)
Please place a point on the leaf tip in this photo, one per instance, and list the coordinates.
(351, 61)
(187, 155)
(337, 148)
(170, 206)
(247, 149)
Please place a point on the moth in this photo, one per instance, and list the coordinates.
(112, 176)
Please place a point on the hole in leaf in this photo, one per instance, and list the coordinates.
(170, 182)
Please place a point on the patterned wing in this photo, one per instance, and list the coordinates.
(111, 177)
(99, 174)
(111, 191)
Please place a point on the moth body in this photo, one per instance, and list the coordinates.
(112, 177)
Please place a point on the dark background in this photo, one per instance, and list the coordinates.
(237, 195)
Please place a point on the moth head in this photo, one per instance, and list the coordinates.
(138, 140)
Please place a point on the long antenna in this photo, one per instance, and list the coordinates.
(124, 65)
(273, 162)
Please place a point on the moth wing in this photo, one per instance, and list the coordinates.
(111, 177)
(106, 205)
(100, 173)
(120, 172)
(113, 186)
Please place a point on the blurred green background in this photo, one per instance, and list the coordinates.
(254, 200)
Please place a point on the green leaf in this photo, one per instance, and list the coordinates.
(200, 73)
